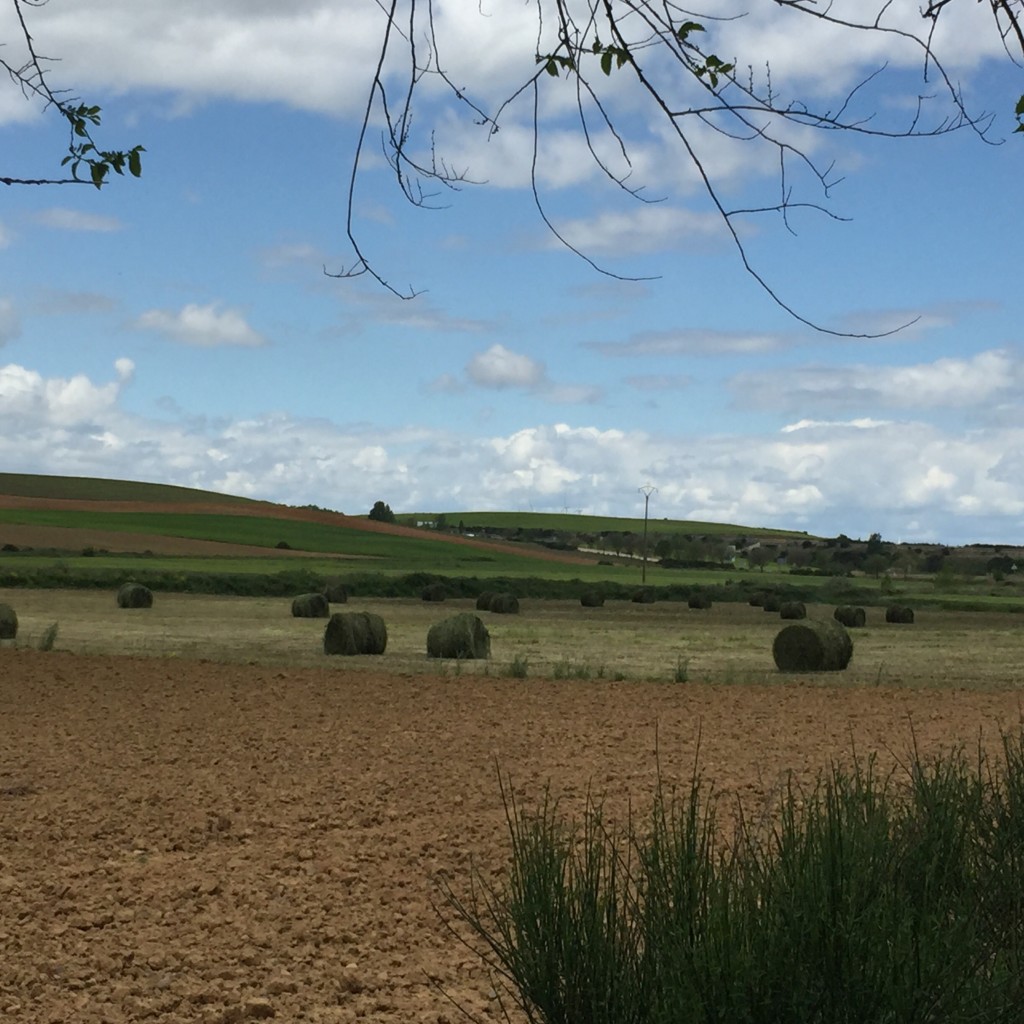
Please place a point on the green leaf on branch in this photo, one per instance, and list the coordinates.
(686, 28)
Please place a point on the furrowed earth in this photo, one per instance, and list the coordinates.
(221, 841)
(195, 841)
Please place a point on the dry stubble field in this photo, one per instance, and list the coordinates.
(202, 818)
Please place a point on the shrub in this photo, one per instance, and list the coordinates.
(518, 667)
(351, 633)
(8, 622)
(869, 897)
(592, 599)
(793, 610)
(434, 592)
(899, 613)
(336, 592)
(813, 646)
(311, 606)
(283, 545)
(461, 636)
(851, 617)
(700, 601)
(134, 595)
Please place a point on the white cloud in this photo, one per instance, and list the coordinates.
(29, 401)
(691, 341)
(904, 479)
(63, 219)
(644, 228)
(203, 326)
(501, 368)
(974, 383)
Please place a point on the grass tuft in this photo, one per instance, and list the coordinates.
(867, 897)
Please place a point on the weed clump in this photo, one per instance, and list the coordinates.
(866, 897)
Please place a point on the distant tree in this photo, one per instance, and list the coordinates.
(441, 522)
(760, 556)
(381, 513)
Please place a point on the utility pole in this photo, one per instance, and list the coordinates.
(647, 490)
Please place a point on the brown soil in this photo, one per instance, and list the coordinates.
(190, 841)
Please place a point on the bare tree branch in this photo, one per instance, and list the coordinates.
(666, 50)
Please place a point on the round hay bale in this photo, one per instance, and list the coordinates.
(592, 599)
(311, 606)
(8, 622)
(899, 613)
(505, 604)
(134, 595)
(645, 595)
(461, 636)
(483, 602)
(434, 592)
(699, 601)
(851, 617)
(351, 633)
(756, 601)
(813, 645)
(793, 610)
(336, 592)
(772, 603)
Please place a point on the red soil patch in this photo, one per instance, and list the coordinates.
(188, 841)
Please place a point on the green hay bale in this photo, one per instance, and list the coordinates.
(699, 601)
(311, 606)
(336, 592)
(8, 622)
(461, 636)
(851, 617)
(483, 602)
(793, 610)
(899, 613)
(645, 595)
(592, 599)
(134, 595)
(505, 604)
(772, 603)
(434, 592)
(813, 645)
(352, 633)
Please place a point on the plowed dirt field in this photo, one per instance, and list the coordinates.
(190, 841)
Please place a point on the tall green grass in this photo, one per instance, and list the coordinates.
(871, 898)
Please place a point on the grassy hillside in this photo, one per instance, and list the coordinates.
(80, 488)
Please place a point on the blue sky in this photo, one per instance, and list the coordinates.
(180, 328)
